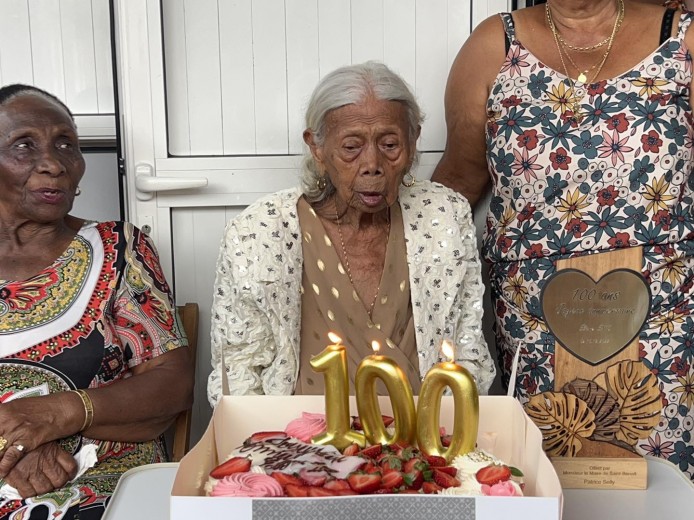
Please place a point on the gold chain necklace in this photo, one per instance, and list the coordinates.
(583, 49)
(349, 271)
(576, 101)
(583, 74)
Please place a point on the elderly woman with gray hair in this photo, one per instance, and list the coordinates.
(362, 249)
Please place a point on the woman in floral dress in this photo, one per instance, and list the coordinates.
(579, 113)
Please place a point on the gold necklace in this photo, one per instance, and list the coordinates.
(583, 74)
(349, 271)
(583, 49)
(576, 100)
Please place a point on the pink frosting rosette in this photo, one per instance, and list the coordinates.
(307, 426)
(501, 489)
(253, 485)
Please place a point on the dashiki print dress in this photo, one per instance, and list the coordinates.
(564, 186)
(100, 309)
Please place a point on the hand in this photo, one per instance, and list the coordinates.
(42, 470)
(33, 421)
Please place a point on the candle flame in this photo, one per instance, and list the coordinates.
(334, 338)
(448, 350)
(376, 346)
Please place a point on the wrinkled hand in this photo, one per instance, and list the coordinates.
(32, 422)
(42, 470)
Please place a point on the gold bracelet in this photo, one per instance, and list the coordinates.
(88, 408)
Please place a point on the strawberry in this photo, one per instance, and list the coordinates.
(337, 484)
(284, 479)
(356, 423)
(431, 488)
(414, 479)
(346, 492)
(264, 436)
(435, 461)
(445, 480)
(316, 492)
(414, 464)
(493, 474)
(392, 479)
(390, 462)
(407, 452)
(364, 483)
(372, 451)
(351, 450)
(313, 478)
(448, 469)
(370, 467)
(293, 490)
(233, 465)
(446, 440)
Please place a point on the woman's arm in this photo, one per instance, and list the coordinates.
(241, 333)
(157, 386)
(463, 166)
(466, 310)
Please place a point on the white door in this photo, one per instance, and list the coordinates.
(211, 98)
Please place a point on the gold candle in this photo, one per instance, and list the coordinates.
(387, 370)
(466, 408)
(332, 362)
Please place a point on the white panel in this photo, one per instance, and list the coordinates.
(399, 38)
(46, 38)
(15, 44)
(270, 74)
(432, 72)
(236, 61)
(174, 23)
(334, 35)
(482, 10)
(302, 65)
(458, 26)
(78, 55)
(197, 235)
(204, 89)
(367, 30)
(102, 54)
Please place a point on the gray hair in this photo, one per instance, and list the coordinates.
(348, 86)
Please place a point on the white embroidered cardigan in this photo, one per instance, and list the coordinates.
(256, 311)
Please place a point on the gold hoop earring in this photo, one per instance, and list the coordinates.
(321, 183)
(410, 182)
(78, 192)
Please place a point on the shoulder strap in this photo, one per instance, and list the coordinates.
(666, 26)
(685, 20)
(509, 29)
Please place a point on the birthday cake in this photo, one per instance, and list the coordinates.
(285, 463)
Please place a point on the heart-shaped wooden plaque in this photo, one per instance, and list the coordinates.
(595, 320)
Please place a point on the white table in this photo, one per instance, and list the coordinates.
(143, 494)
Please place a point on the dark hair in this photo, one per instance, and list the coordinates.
(9, 92)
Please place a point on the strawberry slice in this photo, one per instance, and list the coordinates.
(446, 440)
(356, 423)
(445, 480)
(337, 484)
(449, 469)
(392, 479)
(414, 479)
(313, 477)
(351, 450)
(233, 465)
(435, 461)
(390, 462)
(293, 490)
(431, 488)
(364, 483)
(387, 420)
(346, 492)
(414, 464)
(372, 451)
(493, 474)
(285, 479)
(317, 492)
(264, 436)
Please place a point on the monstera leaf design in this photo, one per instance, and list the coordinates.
(636, 391)
(563, 420)
(604, 407)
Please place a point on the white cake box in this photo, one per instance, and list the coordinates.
(504, 428)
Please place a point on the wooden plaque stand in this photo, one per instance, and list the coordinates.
(594, 396)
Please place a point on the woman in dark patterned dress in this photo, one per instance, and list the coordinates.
(89, 338)
(579, 113)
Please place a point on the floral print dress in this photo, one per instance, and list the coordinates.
(619, 176)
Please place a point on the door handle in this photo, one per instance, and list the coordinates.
(147, 184)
